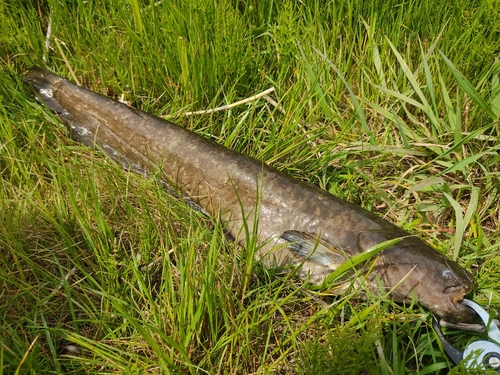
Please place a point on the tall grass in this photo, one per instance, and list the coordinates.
(393, 106)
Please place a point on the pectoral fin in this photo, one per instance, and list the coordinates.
(310, 248)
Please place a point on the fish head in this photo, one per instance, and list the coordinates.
(413, 269)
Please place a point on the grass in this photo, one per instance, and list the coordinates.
(393, 106)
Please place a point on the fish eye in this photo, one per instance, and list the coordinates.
(448, 276)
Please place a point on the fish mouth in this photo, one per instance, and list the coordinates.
(460, 313)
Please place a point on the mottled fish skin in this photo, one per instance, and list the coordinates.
(226, 183)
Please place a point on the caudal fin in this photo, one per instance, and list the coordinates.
(44, 82)
(49, 88)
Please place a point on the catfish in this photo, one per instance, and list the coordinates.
(296, 223)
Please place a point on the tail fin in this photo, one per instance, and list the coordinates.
(44, 82)
(47, 85)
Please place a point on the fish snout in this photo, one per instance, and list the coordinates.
(458, 312)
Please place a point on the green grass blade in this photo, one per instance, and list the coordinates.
(495, 91)
(360, 258)
(318, 91)
(460, 166)
(137, 15)
(468, 88)
(355, 102)
(416, 86)
(459, 224)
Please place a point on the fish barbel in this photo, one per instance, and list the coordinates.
(298, 223)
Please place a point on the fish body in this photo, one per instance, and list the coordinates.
(298, 223)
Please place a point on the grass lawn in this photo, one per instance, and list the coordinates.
(391, 105)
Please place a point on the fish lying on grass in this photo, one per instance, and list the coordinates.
(298, 223)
